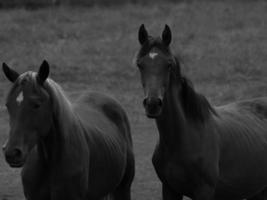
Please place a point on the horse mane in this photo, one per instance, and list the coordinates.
(196, 107)
(69, 130)
(61, 105)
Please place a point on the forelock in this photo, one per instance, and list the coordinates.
(25, 78)
(150, 44)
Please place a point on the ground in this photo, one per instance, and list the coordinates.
(222, 45)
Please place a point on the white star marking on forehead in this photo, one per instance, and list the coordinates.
(19, 98)
(152, 55)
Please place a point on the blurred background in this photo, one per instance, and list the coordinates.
(88, 3)
(43, 3)
(90, 44)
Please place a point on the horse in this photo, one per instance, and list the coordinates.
(203, 152)
(81, 150)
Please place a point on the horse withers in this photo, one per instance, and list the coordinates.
(203, 152)
(81, 150)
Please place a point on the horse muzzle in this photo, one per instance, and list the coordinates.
(14, 157)
(153, 106)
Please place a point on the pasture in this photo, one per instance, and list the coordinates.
(223, 47)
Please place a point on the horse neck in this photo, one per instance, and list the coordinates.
(57, 144)
(172, 122)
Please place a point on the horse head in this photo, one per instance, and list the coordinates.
(30, 113)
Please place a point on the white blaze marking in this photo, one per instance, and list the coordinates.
(152, 55)
(20, 98)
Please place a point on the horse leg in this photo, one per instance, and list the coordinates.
(169, 194)
(123, 191)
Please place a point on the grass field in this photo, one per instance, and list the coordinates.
(223, 47)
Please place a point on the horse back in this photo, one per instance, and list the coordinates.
(249, 114)
(257, 107)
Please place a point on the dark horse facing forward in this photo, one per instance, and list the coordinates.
(68, 151)
(203, 152)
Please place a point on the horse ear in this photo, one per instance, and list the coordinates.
(166, 35)
(11, 74)
(43, 72)
(142, 34)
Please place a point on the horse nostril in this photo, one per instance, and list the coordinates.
(145, 102)
(152, 101)
(159, 102)
(4, 148)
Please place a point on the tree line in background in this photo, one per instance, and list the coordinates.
(44, 3)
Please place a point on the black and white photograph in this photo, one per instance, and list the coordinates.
(133, 99)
